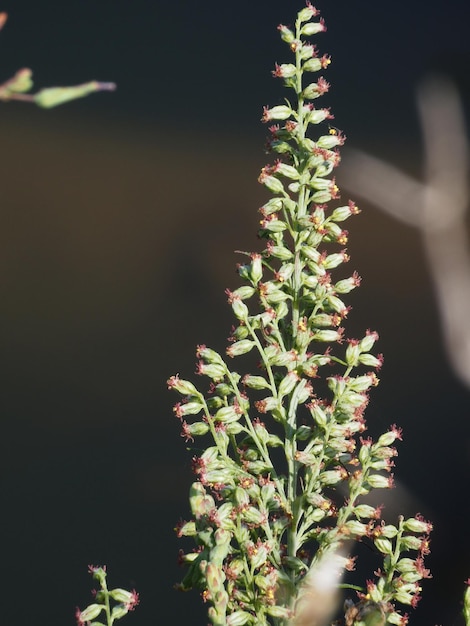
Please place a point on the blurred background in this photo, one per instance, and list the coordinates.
(119, 216)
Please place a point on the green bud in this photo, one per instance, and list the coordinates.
(255, 382)
(318, 414)
(274, 226)
(119, 611)
(355, 528)
(226, 415)
(365, 511)
(280, 112)
(313, 65)
(346, 285)
(185, 387)
(466, 603)
(288, 383)
(188, 408)
(417, 525)
(312, 28)
(53, 96)
(370, 361)
(122, 595)
(238, 618)
(286, 34)
(410, 542)
(334, 260)
(198, 429)
(331, 477)
(240, 347)
(368, 341)
(281, 612)
(91, 612)
(272, 206)
(336, 303)
(378, 481)
(281, 252)
(327, 142)
(316, 116)
(244, 292)
(321, 197)
(240, 309)
(21, 82)
(327, 335)
(383, 545)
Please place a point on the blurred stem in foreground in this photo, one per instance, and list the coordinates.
(16, 88)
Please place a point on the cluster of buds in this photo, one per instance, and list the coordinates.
(279, 488)
(124, 601)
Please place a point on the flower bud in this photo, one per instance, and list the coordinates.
(316, 116)
(328, 142)
(286, 34)
(346, 285)
(294, 187)
(90, 613)
(238, 618)
(358, 529)
(331, 477)
(123, 596)
(383, 545)
(327, 335)
(368, 341)
(370, 361)
(197, 429)
(212, 370)
(280, 252)
(417, 525)
(321, 197)
(119, 611)
(187, 408)
(280, 112)
(336, 303)
(318, 414)
(333, 260)
(240, 347)
(377, 481)
(388, 438)
(281, 612)
(313, 65)
(362, 383)
(312, 28)
(352, 354)
(239, 308)
(273, 226)
(365, 511)
(285, 70)
(255, 382)
(185, 387)
(410, 542)
(226, 415)
(272, 183)
(341, 213)
(304, 15)
(244, 292)
(272, 206)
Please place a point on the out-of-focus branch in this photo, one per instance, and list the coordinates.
(15, 88)
(436, 207)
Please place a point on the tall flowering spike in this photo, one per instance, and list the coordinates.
(266, 524)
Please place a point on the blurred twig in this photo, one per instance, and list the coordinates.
(436, 207)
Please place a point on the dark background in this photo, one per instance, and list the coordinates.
(118, 218)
